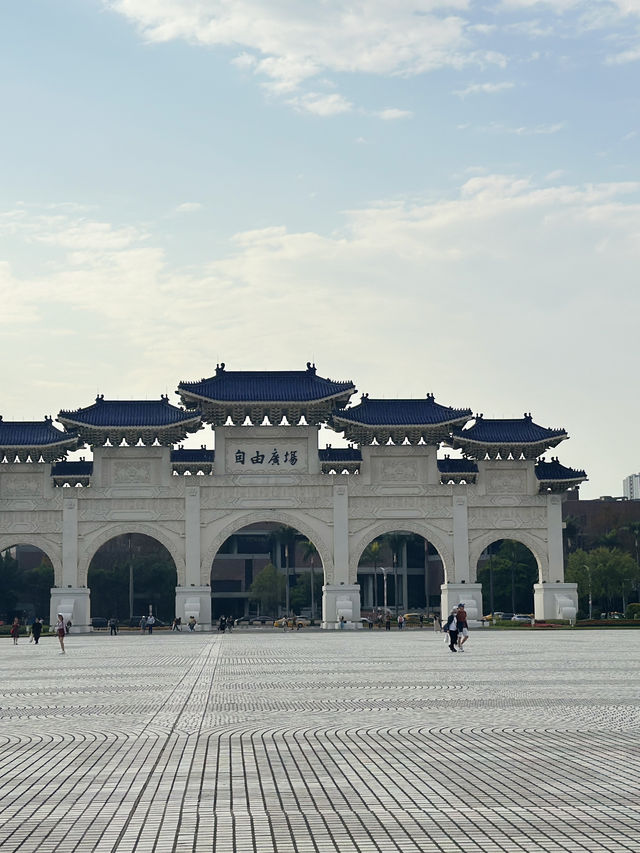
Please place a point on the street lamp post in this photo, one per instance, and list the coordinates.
(491, 583)
(384, 570)
(395, 582)
(590, 601)
(130, 580)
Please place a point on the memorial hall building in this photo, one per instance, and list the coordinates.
(265, 471)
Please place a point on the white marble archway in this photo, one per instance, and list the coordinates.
(91, 545)
(533, 543)
(303, 523)
(48, 546)
(373, 531)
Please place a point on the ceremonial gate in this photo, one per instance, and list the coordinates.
(266, 467)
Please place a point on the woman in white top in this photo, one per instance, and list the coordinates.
(60, 631)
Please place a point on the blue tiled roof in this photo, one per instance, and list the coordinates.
(555, 471)
(72, 469)
(129, 413)
(31, 433)
(192, 455)
(401, 413)
(259, 386)
(457, 466)
(340, 454)
(508, 431)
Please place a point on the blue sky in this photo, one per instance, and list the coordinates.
(419, 196)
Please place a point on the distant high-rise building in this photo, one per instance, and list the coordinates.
(631, 487)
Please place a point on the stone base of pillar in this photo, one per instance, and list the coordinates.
(341, 600)
(470, 594)
(74, 604)
(194, 601)
(555, 601)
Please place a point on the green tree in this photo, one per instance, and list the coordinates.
(286, 538)
(514, 573)
(607, 572)
(10, 586)
(372, 556)
(267, 590)
(310, 556)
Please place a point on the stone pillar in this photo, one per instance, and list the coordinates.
(341, 600)
(192, 535)
(470, 594)
(193, 599)
(555, 601)
(340, 597)
(461, 573)
(554, 539)
(72, 601)
(70, 542)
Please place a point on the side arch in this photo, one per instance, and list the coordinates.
(360, 541)
(536, 545)
(51, 548)
(301, 523)
(93, 543)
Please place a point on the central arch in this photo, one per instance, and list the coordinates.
(373, 531)
(299, 521)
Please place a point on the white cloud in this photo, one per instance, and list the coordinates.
(289, 43)
(393, 114)
(189, 207)
(521, 130)
(321, 104)
(483, 89)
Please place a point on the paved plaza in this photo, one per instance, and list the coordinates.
(317, 741)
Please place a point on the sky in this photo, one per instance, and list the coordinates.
(417, 196)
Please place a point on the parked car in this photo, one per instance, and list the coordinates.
(99, 622)
(292, 622)
(504, 617)
(412, 618)
(521, 617)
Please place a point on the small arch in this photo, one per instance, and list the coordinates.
(92, 545)
(537, 547)
(52, 550)
(29, 594)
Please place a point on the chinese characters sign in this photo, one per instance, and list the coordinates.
(278, 457)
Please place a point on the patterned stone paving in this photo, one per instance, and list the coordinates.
(310, 741)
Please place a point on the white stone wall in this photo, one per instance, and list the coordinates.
(133, 491)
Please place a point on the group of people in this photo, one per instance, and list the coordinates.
(457, 628)
(61, 629)
(225, 623)
(176, 625)
(147, 623)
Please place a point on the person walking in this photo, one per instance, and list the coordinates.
(36, 630)
(151, 621)
(113, 626)
(143, 624)
(451, 627)
(437, 623)
(400, 622)
(192, 623)
(61, 631)
(387, 622)
(15, 630)
(463, 627)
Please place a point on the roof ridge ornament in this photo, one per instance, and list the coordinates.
(430, 397)
(219, 369)
(99, 398)
(311, 368)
